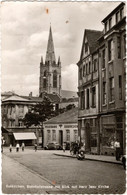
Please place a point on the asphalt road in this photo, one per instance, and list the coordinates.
(71, 175)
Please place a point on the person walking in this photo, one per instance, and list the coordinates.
(35, 147)
(23, 146)
(10, 147)
(117, 147)
(17, 147)
(64, 146)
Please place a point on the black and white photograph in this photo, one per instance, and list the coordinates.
(63, 97)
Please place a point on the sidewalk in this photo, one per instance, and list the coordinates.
(101, 158)
(19, 179)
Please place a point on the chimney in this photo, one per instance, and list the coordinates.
(30, 94)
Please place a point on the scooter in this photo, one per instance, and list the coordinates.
(81, 155)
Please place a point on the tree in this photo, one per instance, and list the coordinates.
(39, 114)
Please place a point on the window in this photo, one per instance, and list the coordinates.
(121, 13)
(67, 135)
(104, 92)
(84, 70)
(94, 97)
(119, 47)
(21, 109)
(55, 79)
(124, 45)
(95, 65)
(117, 17)
(53, 135)
(87, 68)
(80, 73)
(120, 87)
(83, 100)
(87, 98)
(103, 58)
(111, 85)
(75, 135)
(48, 135)
(110, 50)
(90, 67)
(110, 23)
(105, 26)
(86, 47)
(44, 79)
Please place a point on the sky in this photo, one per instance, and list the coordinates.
(24, 36)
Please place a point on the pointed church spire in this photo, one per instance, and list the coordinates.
(41, 59)
(59, 60)
(50, 54)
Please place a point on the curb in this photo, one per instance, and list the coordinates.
(118, 163)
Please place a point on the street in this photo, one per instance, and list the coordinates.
(67, 174)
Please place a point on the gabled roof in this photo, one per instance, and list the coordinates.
(15, 98)
(70, 116)
(92, 37)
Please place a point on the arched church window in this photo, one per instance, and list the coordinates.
(44, 79)
(55, 79)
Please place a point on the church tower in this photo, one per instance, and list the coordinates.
(50, 71)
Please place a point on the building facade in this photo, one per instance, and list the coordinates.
(102, 87)
(50, 70)
(62, 128)
(88, 85)
(14, 109)
(112, 62)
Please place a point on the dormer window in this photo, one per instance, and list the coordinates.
(117, 17)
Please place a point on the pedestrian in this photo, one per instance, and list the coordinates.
(17, 147)
(117, 148)
(64, 146)
(10, 147)
(35, 147)
(23, 146)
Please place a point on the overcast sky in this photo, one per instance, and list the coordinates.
(25, 31)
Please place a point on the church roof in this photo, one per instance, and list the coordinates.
(70, 116)
(50, 54)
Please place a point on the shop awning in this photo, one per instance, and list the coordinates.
(24, 136)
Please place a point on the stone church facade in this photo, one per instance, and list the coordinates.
(50, 70)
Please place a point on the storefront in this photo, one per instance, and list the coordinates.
(28, 138)
(63, 128)
(112, 129)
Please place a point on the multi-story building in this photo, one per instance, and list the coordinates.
(14, 109)
(102, 87)
(112, 60)
(89, 90)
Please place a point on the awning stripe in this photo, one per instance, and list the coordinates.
(24, 136)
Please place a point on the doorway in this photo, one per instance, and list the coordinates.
(61, 137)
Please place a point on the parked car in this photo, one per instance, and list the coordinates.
(53, 146)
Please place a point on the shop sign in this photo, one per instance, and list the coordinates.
(70, 126)
(51, 126)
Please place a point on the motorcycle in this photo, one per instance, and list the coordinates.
(81, 155)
